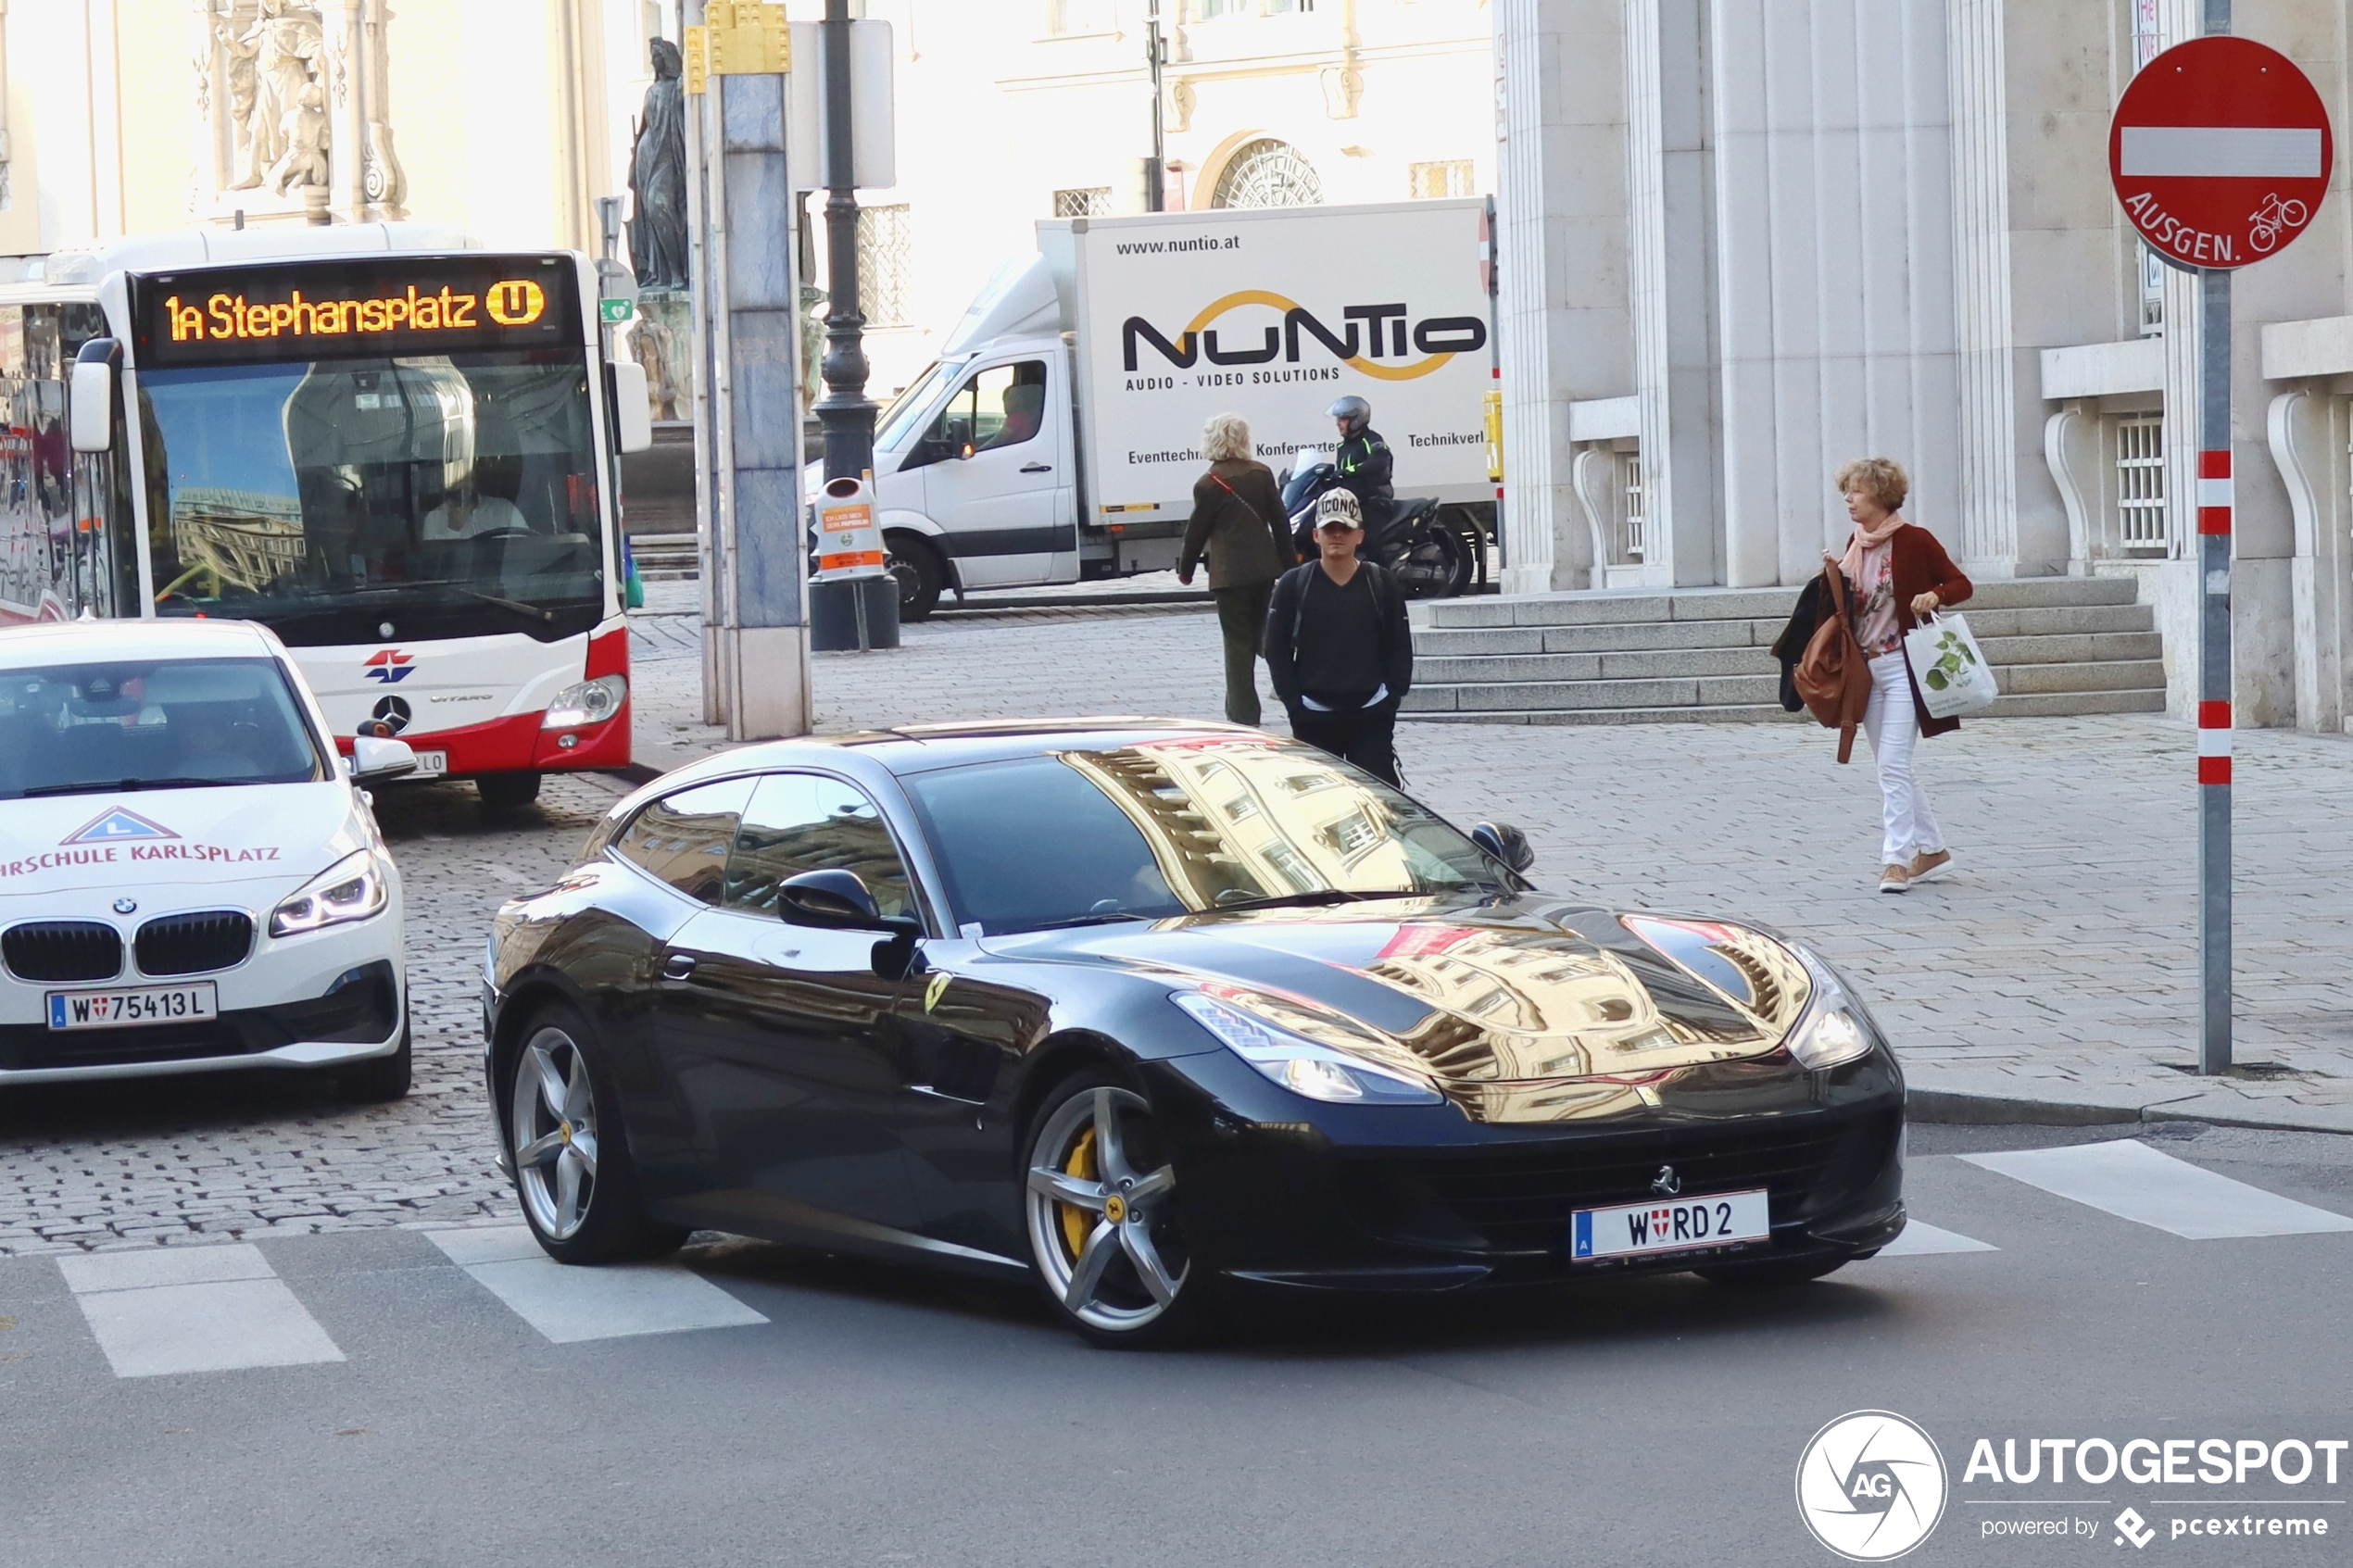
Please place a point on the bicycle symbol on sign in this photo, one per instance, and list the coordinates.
(2274, 217)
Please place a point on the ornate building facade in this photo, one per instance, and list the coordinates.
(1744, 240)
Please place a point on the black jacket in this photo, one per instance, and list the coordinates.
(1282, 630)
(1790, 647)
(1364, 465)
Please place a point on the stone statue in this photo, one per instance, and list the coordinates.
(283, 50)
(658, 178)
(303, 130)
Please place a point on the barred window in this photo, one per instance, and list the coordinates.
(1267, 173)
(2140, 481)
(1084, 201)
(1451, 178)
(885, 266)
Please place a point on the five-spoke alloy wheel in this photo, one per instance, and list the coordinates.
(572, 1166)
(1102, 1219)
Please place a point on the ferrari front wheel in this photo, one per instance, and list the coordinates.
(1102, 1216)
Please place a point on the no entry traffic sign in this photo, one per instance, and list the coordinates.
(2219, 152)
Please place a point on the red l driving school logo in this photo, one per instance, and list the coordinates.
(2219, 152)
(389, 665)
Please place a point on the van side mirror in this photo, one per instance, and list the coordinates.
(633, 410)
(91, 405)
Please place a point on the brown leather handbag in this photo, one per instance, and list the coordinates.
(1834, 677)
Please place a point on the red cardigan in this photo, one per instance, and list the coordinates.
(1920, 565)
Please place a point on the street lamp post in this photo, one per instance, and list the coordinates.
(847, 413)
(1155, 166)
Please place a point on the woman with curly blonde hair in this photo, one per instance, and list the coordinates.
(1238, 521)
(1896, 572)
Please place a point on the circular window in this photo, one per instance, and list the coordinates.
(1267, 173)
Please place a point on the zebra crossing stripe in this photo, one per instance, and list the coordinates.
(193, 1309)
(568, 1304)
(1920, 1240)
(2132, 1181)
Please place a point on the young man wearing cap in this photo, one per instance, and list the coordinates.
(1337, 644)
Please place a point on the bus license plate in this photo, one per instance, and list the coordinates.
(1670, 1225)
(148, 1004)
(431, 764)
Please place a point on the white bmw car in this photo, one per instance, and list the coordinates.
(191, 878)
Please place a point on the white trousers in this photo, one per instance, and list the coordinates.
(1894, 724)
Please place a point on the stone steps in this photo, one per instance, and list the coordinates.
(664, 558)
(2057, 645)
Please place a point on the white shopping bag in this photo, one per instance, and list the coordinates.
(1953, 677)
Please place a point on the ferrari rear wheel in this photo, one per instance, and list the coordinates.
(1102, 1220)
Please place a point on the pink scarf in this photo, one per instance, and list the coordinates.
(1868, 539)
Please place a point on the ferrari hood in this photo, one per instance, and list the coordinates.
(1521, 1011)
(238, 832)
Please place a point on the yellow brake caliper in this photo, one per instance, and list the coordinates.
(1076, 1223)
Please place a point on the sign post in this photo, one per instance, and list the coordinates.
(2219, 152)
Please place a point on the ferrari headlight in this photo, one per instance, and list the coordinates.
(588, 702)
(1302, 1065)
(354, 887)
(1833, 1028)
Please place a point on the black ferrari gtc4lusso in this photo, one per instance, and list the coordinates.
(1153, 1012)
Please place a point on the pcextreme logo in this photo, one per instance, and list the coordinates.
(1871, 1485)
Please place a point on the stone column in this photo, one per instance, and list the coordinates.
(1672, 288)
(1981, 282)
(341, 73)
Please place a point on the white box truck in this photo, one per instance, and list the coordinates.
(1058, 437)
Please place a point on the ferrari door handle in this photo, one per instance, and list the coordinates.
(1038, 468)
(678, 966)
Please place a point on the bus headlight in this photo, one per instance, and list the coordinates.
(590, 702)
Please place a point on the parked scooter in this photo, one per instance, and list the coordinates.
(1432, 556)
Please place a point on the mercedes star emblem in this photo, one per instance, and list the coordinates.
(393, 712)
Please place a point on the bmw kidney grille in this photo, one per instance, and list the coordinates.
(62, 949)
(195, 943)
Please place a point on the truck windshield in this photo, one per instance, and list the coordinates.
(908, 406)
(349, 500)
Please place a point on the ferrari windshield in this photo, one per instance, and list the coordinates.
(1179, 827)
(451, 495)
(183, 723)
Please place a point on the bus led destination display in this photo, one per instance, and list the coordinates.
(310, 310)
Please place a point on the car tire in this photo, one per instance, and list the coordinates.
(1773, 1272)
(915, 562)
(379, 1079)
(562, 1125)
(504, 792)
(1104, 1232)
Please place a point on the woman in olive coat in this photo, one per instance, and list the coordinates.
(1238, 519)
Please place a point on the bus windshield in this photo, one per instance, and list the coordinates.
(350, 500)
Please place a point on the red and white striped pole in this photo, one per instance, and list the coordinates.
(2214, 505)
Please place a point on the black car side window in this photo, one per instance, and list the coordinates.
(801, 822)
(683, 838)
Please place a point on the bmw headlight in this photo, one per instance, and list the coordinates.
(1834, 1029)
(354, 887)
(590, 702)
(1302, 1065)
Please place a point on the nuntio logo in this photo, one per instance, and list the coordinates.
(1871, 1485)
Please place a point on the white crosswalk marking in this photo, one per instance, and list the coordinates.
(193, 1309)
(569, 1305)
(2131, 1180)
(1920, 1240)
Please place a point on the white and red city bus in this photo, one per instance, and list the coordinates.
(397, 451)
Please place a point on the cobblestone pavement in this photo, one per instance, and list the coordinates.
(2056, 964)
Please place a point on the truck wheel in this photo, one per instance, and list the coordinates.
(913, 559)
